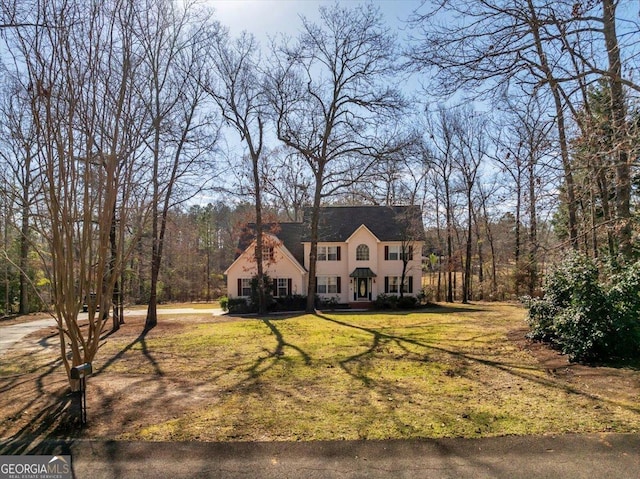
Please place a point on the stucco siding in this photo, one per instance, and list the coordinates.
(280, 267)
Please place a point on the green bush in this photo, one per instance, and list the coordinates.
(541, 317)
(224, 303)
(295, 302)
(330, 303)
(391, 301)
(385, 301)
(407, 302)
(238, 305)
(624, 298)
(587, 318)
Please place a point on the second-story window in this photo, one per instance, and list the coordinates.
(362, 252)
(392, 253)
(267, 253)
(328, 253)
(395, 252)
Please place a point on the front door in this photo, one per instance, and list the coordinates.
(363, 288)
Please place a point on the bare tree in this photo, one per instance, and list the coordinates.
(67, 79)
(441, 150)
(287, 182)
(173, 41)
(330, 92)
(493, 46)
(561, 48)
(239, 94)
(525, 140)
(18, 154)
(412, 232)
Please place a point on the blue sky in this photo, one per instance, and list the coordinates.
(268, 17)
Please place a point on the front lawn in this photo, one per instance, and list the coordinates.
(451, 371)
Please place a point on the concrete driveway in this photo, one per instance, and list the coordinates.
(12, 334)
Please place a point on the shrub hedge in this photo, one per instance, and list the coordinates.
(589, 316)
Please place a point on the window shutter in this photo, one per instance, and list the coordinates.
(338, 279)
(386, 279)
(386, 257)
(410, 253)
(338, 258)
(316, 282)
(289, 281)
(410, 284)
(239, 287)
(274, 287)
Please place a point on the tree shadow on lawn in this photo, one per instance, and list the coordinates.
(60, 417)
(142, 340)
(263, 364)
(427, 309)
(379, 339)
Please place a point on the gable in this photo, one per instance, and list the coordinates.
(289, 234)
(246, 259)
(362, 233)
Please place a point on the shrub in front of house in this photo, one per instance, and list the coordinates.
(237, 305)
(330, 303)
(407, 302)
(224, 303)
(391, 302)
(294, 302)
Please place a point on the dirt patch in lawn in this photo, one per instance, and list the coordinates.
(38, 402)
(145, 387)
(604, 381)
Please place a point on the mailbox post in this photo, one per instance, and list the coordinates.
(81, 372)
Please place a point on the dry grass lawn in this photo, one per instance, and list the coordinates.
(463, 371)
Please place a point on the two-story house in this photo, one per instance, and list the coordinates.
(362, 252)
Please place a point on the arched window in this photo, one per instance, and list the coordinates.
(362, 252)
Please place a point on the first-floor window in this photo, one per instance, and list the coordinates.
(244, 287)
(282, 287)
(392, 284)
(328, 285)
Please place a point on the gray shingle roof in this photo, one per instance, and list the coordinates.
(388, 223)
(338, 223)
(289, 234)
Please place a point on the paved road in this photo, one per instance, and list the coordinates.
(10, 334)
(608, 456)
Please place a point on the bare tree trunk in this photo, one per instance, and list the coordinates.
(24, 246)
(622, 167)
(533, 227)
(518, 272)
(535, 26)
(466, 285)
(115, 319)
(313, 254)
(450, 276)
